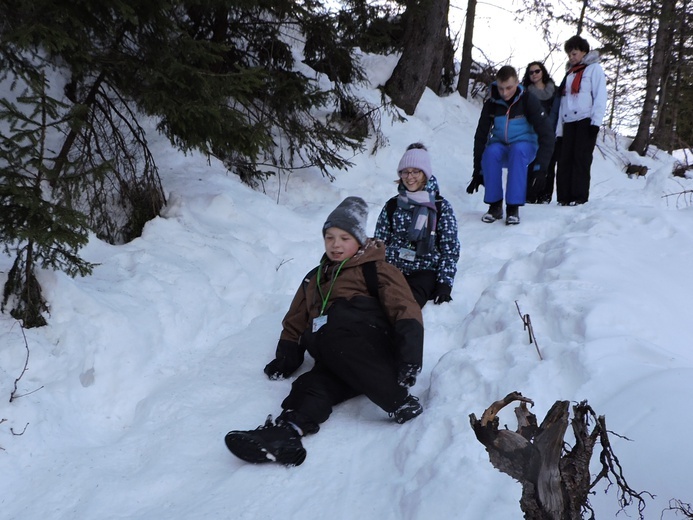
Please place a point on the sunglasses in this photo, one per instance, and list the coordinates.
(535, 71)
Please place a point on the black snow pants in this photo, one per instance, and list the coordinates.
(422, 285)
(351, 358)
(574, 163)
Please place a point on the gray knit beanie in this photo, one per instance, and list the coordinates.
(416, 158)
(351, 215)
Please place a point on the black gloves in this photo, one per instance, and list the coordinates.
(594, 130)
(406, 375)
(276, 369)
(477, 180)
(537, 182)
(441, 294)
(288, 358)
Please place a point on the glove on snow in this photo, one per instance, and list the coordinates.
(276, 369)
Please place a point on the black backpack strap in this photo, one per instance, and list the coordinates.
(370, 273)
(439, 207)
(309, 275)
(390, 208)
(439, 203)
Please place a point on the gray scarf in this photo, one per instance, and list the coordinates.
(422, 205)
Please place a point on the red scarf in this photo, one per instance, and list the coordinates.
(578, 70)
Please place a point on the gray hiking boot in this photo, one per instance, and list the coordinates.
(495, 212)
(513, 215)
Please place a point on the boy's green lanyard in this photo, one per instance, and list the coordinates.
(325, 298)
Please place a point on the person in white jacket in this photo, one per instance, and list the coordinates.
(581, 111)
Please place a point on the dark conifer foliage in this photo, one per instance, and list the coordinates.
(372, 26)
(40, 231)
(221, 77)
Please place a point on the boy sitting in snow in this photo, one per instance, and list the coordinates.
(356, 316)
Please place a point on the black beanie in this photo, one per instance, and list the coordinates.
(351, 216)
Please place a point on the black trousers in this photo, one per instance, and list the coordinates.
(348, 362)
(544, 196)
(574, 163)
(422, 284)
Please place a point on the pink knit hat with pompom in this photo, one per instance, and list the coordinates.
(416, 158)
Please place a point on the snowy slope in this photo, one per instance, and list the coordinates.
(147, 363)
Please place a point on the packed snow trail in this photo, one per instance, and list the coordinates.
(148, 363)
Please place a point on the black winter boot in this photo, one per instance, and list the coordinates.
(279, 443)
(408, 410)
(513, 217)
(495, 212)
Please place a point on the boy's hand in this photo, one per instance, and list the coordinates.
(288, 358)
(406, 375)
(477, 180)
(275, 369)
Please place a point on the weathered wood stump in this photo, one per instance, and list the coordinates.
(555, 483)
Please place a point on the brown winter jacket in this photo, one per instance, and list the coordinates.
(395, 300)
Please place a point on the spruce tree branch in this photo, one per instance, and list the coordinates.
(69, 141)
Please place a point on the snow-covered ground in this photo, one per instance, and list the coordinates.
(146, 364)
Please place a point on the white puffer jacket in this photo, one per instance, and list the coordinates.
(590, 101)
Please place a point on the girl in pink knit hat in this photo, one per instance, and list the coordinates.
(420, 229)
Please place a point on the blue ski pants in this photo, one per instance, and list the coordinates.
(516, 158)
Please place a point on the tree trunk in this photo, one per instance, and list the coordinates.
(581, 20)
(424, 28)
(654, 78)
(443, 67)
(614, 91)
(467, 46)
(665, 134)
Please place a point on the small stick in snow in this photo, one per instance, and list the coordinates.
(528, 327)
(14, 394)
(282, 263)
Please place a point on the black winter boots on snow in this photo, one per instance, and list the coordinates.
(513, 215)
(495, 212)
(408, 410)
(279, 443)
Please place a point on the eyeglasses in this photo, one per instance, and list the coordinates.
(535, 71)
(408, 173)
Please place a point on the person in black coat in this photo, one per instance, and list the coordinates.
(537, 81)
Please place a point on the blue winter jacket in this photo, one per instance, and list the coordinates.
(520, 119)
